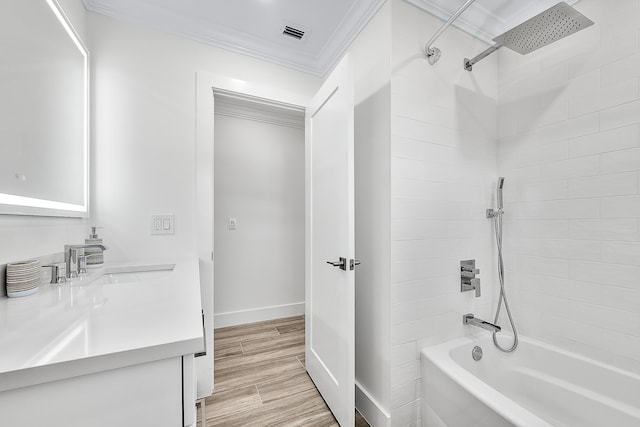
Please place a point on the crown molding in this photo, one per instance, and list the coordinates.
(433, 8)
(261, 110)
(236, 41)
(359, 16)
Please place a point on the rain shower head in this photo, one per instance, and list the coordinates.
(553, 24)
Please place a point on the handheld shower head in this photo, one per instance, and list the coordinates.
(499, 193)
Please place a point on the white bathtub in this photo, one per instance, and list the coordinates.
(537, 385)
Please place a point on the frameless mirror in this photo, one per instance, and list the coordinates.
(43, 111)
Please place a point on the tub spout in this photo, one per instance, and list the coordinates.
(470, 319)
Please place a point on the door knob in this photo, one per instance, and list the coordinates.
(353, 263)
(342, 263)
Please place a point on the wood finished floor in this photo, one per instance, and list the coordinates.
(260, 379)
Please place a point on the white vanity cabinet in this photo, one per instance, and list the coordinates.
(103, 354)
(148, 394)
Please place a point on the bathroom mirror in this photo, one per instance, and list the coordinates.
(43, 111)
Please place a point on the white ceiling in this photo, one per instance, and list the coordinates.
(254, 27)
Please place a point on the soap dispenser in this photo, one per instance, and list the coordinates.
(95, 256)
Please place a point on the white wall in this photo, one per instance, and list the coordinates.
(142, 141)
(369, 56)
(259, 181)
(143, 136)
(143, 130)
(443, 173)
(76, 13)
(569, 148)
(25, 237)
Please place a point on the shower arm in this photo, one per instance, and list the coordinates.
(468, 63)
(433, 53)
(548, 26)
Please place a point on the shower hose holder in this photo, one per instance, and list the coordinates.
(492, 213)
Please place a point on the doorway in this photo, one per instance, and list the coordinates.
(328, 122)
(258, 210)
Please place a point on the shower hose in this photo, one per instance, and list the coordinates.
(497, 222)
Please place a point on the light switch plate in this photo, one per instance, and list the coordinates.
(162, 224)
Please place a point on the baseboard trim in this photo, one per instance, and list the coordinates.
(233, 318)
(370, 409)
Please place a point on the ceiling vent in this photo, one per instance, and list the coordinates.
(292, 32)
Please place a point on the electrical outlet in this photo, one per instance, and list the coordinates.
(162, 224)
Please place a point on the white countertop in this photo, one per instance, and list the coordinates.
(88, 326)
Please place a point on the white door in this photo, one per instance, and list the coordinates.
(330, 294)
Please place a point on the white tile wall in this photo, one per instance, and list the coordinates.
(579, 288)
(620, 115)
(443, 175)
(572, 329)
(536, 191)
(621, 253)
(604, 185)
(571, 168)
(620, 207)
(587, 250)
(570, 289)
(570, 128)
(563, 125)
(604, 141)
(554, 267)
(621, 298)
(620, 161)
(605, 273)
(599, 98)
(570, 208)
(548, 228)
(588, 291)
(621, 70)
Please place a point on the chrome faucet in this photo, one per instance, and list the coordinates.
(73, 256)
(470, 319)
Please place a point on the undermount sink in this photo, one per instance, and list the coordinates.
(134, 274)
